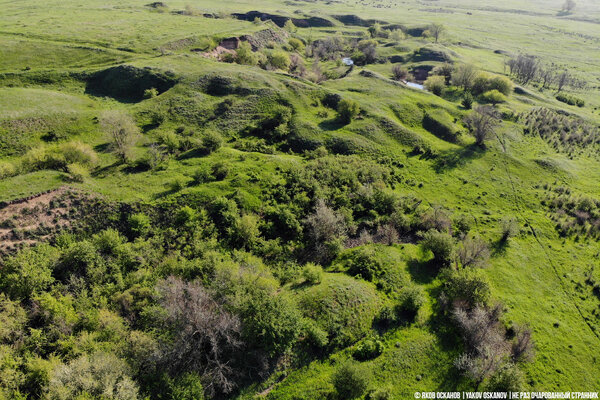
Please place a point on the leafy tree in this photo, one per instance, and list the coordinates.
(348, 110)
(482, 123)
(467, 100)
(121, 131)
(100, 375)
(436, 30)
(463, 76)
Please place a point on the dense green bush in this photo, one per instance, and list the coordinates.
(435, 84)
(351, 380)
(410, 301)
(312, 273)
(570, 100)
(368, 349)
(441, 245)
(493, 96)
(467, 285)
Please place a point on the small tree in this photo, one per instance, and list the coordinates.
(569, 6)
(482, 123)
(348, 110)
(121, 132)
(467, 101)
(436, 30)
(473, 252)
(400, 73)
(436, 84)
(463, 76)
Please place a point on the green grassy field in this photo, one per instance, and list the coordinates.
(49, 51)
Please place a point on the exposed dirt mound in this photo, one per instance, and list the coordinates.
(128, 83)
(280, 20)
(262, 38)
(28, 221)
(355, 20)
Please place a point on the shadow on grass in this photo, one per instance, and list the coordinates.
(451, 159)
(332, 124)
(422, 272)
(102, 148)
(499, 247)
(106, 170)
(194, 153)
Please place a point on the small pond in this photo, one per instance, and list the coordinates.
(415, 85)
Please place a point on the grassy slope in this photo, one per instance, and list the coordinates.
(536, 279)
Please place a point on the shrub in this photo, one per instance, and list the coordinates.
(101, 375)
(494, 97)
(570, 100)
(351, 380)
(501, 84)
(186, 387)
(271, 324)
(380, 394)
(400, 73)
(312, 273)
(473, 252)
(220, 170)
(170, 141)
(139, 225)
(7, 170)
(245, 55)
(296, 44)
(368, 349)
(435, 84)
(279, 59)
(410, 301)
(202, 175)
(150, 93)
(348, 110)
(29, 271)
(77, 152)
(508, 378)
(441, 244)
(77, 172)
(212, 141)
(509, 227)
